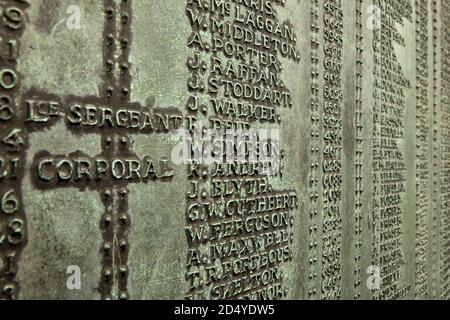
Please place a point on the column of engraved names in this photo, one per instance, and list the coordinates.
(388, 161)
(12, 148)
(445, 152)
(359, 147)
(422, 143)
(332, 147)
(238, 226)
(197, 12)
(315, 153)
(435, 209)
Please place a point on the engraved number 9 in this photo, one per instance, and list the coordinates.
(14, 18)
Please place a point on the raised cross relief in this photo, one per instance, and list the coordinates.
(111, 116)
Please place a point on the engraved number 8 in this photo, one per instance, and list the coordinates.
(6, 112)
(17, 234)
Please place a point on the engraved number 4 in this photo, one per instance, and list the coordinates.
(14, 139)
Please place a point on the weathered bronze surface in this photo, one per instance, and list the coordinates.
(339, 188)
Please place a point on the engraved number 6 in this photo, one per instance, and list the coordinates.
(9, 204)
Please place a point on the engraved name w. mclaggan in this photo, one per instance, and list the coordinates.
(225, 149)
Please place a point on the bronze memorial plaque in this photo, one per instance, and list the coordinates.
(225, 149)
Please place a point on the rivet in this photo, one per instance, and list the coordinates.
(123, 219)
(110, 12)
(123, 245)
(124, 68)
(109, 91)
(108, 142)
(107, 220)
(107, 248)
(107, 274)
(123, 271)
(123, 296)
